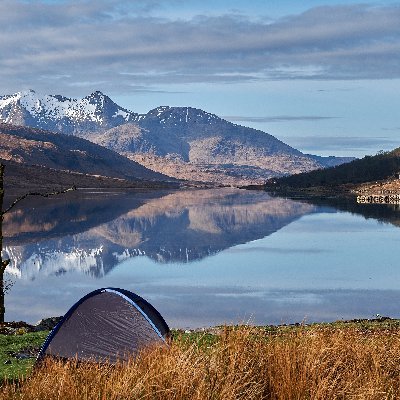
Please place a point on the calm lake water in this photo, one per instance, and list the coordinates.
(206, 257)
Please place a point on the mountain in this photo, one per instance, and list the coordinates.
(31, 146)
(22, 178)
(385, 165)
(61, 114)
(183, 142)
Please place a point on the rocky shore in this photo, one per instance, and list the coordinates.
(21, 327)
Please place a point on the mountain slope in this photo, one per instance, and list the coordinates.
(370, 168)
(183, 142)
(61, 152)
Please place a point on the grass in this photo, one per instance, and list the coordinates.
(11, 367)
(358, 360)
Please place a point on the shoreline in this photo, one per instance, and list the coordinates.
(47, 324)
(18, 350)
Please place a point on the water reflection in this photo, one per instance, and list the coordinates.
(94, 234)
(388, 213)
(206, 257)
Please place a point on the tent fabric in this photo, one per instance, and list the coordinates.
(108, 324)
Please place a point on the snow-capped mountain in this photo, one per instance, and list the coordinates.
(182, 142)
(61, 114)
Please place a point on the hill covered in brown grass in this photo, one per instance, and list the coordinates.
(35, 156)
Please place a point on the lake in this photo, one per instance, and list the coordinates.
(205, 257)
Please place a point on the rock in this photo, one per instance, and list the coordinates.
(15, 328)
(47, 324)
(24, 356)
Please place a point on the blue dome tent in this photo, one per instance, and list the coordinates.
(108, 324)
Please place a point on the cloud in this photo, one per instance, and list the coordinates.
(122, 45)
(337, 143)
(278, 118)
(396, 128)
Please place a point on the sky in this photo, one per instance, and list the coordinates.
(322, 76)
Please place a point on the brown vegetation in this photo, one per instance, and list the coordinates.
(387, 186)
(61, 154)
(244, 363)
(223, 171)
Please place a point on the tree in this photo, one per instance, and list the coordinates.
(4, 263)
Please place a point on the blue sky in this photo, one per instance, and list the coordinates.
(323, 76)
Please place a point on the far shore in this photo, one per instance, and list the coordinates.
(384, 187)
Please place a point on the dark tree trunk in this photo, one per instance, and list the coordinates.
(3, 264)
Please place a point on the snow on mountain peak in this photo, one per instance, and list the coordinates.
(97, 93)
(97, 97)
(55, 111)
(92, 113)
(181, 115)
(24, 93)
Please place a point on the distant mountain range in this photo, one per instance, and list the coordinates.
(182, 142)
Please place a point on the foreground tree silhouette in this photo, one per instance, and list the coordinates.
(4, 263)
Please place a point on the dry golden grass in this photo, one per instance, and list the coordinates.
(244, 363)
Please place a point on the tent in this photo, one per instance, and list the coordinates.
(108, 324)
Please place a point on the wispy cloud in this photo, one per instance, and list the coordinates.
(335, 143)
(277, 118)
(396, 128)
(119, 42)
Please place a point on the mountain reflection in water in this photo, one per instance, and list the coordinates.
(94, 232)
(205, 257)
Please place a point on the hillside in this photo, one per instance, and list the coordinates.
(22, 178)
(368, 169)
(183, 142)
(189, 143)
(29, 146)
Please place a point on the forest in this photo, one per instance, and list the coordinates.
(383, 165)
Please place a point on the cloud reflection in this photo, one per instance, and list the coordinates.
(283, 250)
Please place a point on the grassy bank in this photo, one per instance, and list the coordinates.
(18, 352)
(343, 360)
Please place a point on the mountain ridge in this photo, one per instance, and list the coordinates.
(177, 140)
(62, 114)
(382, 166)
(183, 142)
(33, 146)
